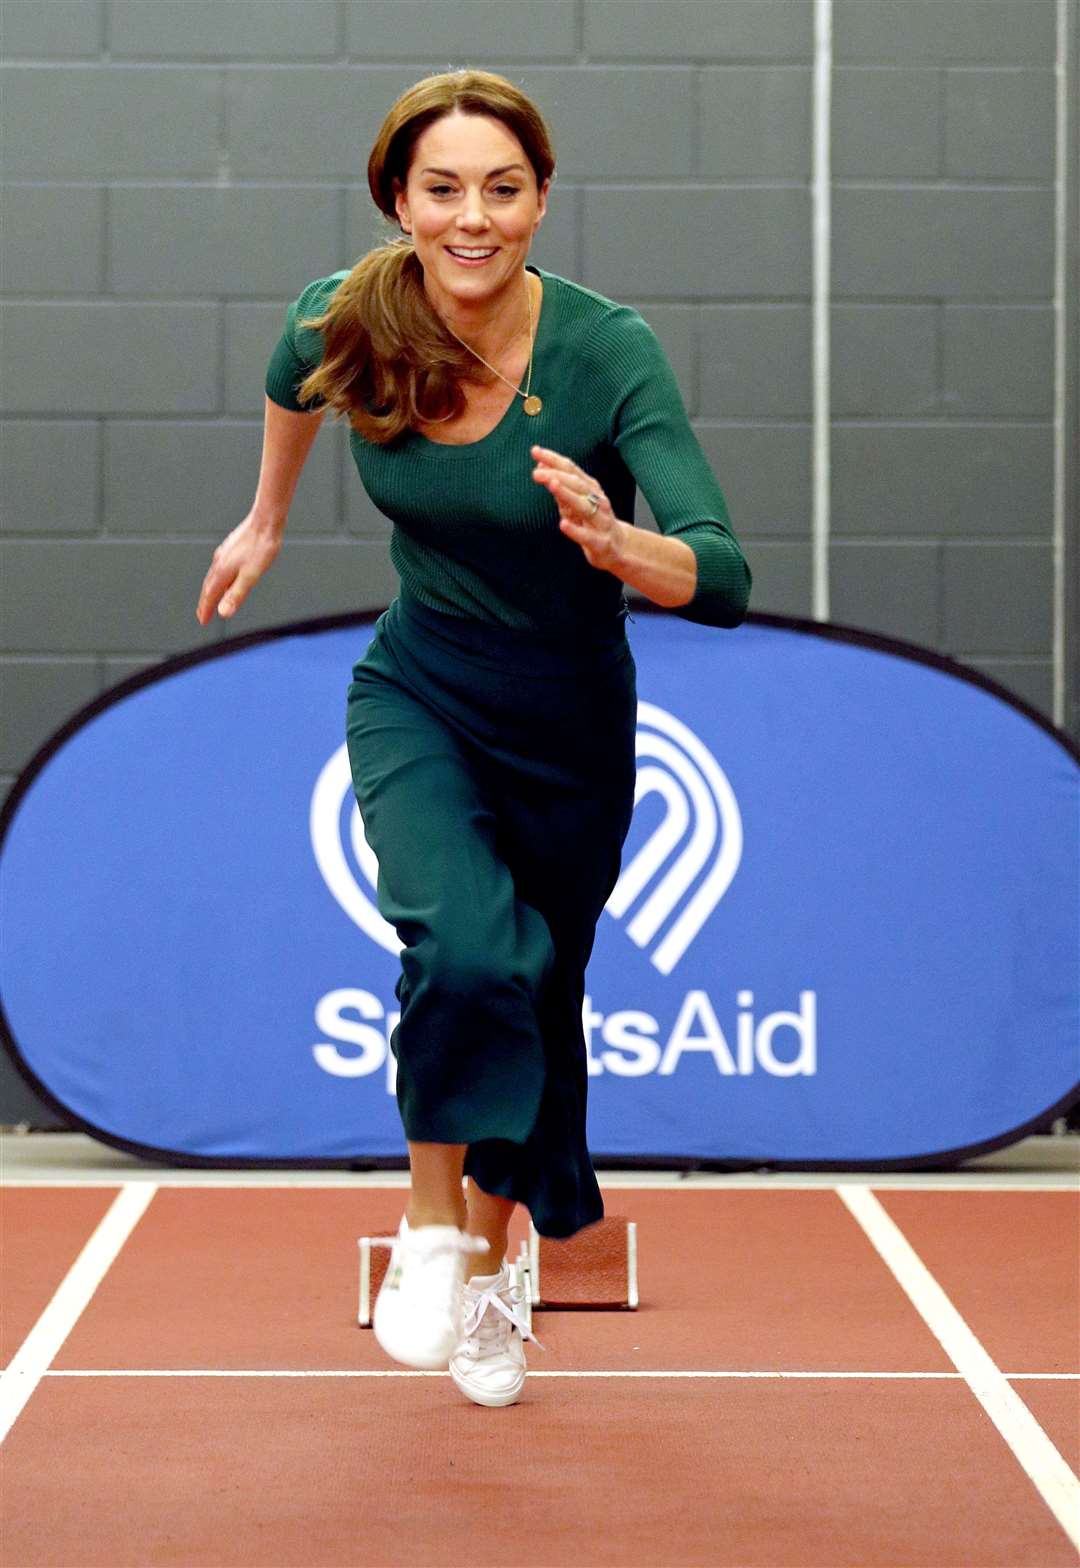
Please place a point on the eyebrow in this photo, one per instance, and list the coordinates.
(452, 173)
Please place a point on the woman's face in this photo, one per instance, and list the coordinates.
(470, 185)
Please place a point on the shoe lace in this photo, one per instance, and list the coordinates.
(487, 1332)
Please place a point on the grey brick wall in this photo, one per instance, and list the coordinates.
(173, 174)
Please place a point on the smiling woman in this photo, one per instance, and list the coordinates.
(463, 162)
(478, 217)
(502, 417)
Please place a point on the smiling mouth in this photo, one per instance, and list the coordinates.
(472, 255)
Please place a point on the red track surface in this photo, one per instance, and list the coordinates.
(369, 1472)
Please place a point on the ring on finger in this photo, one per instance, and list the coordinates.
(594, 502)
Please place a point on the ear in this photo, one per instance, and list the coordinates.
(401, 206)
(541, 203)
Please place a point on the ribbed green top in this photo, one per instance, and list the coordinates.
(475, 535)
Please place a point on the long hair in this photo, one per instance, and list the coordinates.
(388, 360)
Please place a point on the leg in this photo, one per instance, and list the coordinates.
(488, 1216)
(468, 1047)
(565, 860)
(436, 1197)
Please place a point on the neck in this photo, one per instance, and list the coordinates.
(490, 326)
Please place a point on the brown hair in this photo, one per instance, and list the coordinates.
(388, 360)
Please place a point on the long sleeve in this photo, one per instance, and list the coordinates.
(650, 430)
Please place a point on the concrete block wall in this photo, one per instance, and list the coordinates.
(173, 174)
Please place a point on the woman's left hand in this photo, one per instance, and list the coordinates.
(597, 532)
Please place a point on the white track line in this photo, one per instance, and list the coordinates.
(955, 1377)
(1035, 1453)
(37, 1351)
(1067, 1181)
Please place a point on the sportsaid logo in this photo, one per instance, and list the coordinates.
(665, 893)
(701, 830)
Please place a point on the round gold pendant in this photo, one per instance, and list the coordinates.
(533, 404)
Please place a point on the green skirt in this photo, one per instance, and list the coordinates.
(494, 769)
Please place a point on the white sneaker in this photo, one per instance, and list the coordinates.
(489, 1364)
(418, 1311)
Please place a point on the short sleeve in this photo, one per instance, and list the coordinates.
(651, 431)
(299, 350)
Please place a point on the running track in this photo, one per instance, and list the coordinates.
(817, 1377)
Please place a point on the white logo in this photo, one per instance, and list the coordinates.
(699, 800)
(701, 808)
(331, 788)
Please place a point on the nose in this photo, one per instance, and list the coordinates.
(473, 217)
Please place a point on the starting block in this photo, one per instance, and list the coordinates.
(597, 1268)
(373, 1265)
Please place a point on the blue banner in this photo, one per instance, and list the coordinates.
(846, 931)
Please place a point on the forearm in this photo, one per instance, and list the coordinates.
(287, 440)
(663, 568)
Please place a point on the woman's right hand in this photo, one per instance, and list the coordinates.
(236, 566)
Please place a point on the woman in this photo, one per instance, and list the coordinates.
(501, 416)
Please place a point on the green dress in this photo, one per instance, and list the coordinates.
(491, 731)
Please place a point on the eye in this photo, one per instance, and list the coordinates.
(511, 189)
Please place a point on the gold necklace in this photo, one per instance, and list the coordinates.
(533, 405)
